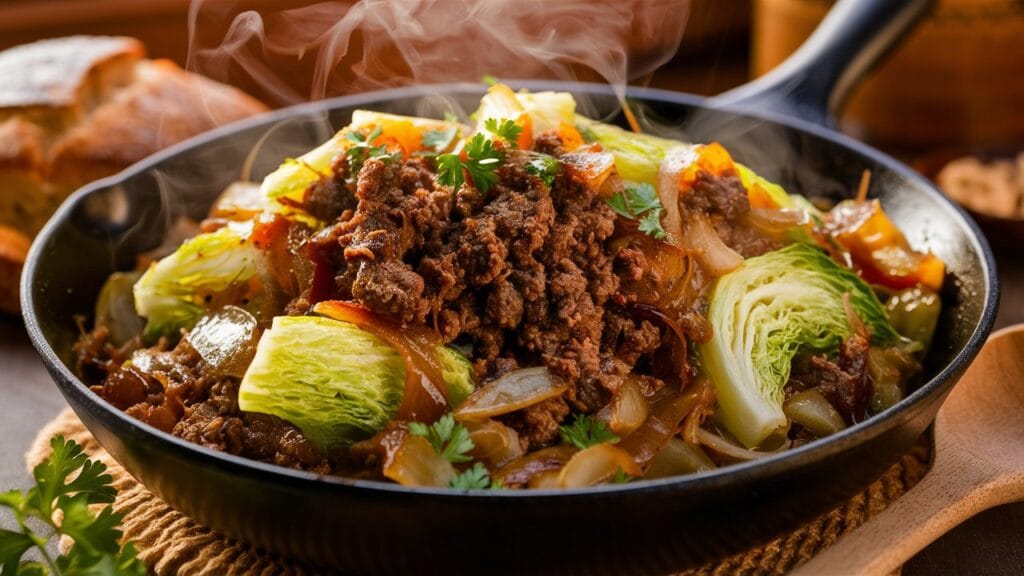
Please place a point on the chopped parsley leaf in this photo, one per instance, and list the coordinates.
(475, 478)
(508, 130)
(586, 431)
(480, 163)
(362, 150)
(544, 167)
(449, 439)
(641, 203)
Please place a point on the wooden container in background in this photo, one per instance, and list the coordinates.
(957, 81)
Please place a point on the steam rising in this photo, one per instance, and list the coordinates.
(335, 48)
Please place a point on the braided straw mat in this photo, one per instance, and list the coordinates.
(173, 544)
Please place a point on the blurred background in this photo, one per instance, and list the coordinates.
(955, 84)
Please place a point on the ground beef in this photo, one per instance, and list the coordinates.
(722, 194)
(176, 391)
(844, 380)
(522, 272)
(725, 200)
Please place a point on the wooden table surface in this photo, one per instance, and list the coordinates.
(990, 543)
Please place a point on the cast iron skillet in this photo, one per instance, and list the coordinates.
(642, 527)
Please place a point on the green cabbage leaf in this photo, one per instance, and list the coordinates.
(337, 383)
(176, 290)
(773, 308)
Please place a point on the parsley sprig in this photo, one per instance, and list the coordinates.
(586, 431)
(96, 536)
(507, 130)
(479, 160)
(475, 478)
(452, 441)
(449, 439)
(640, 203)
(363, 150)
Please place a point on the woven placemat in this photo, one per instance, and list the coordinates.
(171, 543)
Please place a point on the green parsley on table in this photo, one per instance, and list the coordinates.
(508, 130)
(641, 203)
(479, 159)
(586, 431)
(96, 549)
(449, 439)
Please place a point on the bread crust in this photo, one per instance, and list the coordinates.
(76, 109)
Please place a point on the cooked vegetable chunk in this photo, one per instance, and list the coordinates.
(335, 382)
(174, 292)
(774, 307)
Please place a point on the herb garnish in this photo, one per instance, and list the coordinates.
(621, 477)
(544, 167)
(475, 478)
(586, 431)
(452, 441)
(479, 160)
(508, 130)
(640, 203)
(436, 141)
(95, 549)
(362, 150)
(449, 439)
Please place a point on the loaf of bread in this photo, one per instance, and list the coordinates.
(76, 109)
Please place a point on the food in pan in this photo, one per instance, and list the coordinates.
(532, 299)
(73, 110)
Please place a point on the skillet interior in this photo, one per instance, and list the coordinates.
(361, 526)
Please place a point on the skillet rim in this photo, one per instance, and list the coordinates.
(774, 465)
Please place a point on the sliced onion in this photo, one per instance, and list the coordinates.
(676, 161)
(662, 424)
(776, 221)
(412, 461)
(226, 340)
(424, 399)
(513, 391)
(545, 480)
(595, 465)
(679, 457)
(628, 410)
(115, 308)
(812, 411)
(727, 448)
(713, 254)
(521, 470)
(493, 442)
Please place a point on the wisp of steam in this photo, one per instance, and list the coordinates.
(291, 55)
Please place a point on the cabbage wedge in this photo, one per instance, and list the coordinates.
(770, 310)
(178, 289)
(334, 381)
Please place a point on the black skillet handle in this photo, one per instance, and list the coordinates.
(813, 83)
